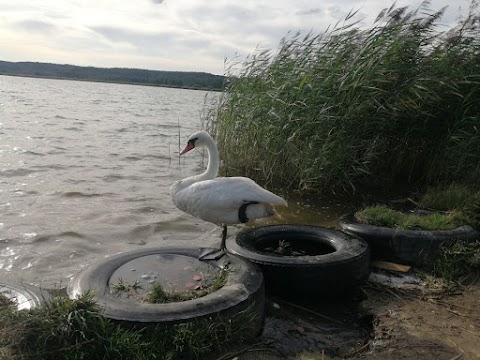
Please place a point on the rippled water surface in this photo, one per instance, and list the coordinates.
(85, 172)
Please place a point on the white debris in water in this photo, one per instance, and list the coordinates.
(150, 276)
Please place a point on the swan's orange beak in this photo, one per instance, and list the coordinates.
(187, 149)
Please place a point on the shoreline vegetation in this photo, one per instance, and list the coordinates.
(357, 109)
(170, 79)
(75, 329)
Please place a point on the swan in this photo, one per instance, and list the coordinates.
(220, 200)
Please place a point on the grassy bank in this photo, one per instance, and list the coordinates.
(75, 329)
(397, 102)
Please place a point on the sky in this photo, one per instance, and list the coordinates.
(174, 35)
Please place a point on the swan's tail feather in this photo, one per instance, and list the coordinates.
(258, 211)
(278, 201)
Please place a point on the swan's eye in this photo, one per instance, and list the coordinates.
(192, 141)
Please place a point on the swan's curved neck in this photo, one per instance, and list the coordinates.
(210, 173)
(213, 162)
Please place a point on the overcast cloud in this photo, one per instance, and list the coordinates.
(184, 35)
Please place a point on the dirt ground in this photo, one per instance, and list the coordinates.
(429, 324)
(431, 321)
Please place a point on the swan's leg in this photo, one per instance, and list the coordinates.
(215, 254)
(224, 238)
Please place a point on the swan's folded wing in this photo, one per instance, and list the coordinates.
(219, 200)
(232, 192)
(224, 193)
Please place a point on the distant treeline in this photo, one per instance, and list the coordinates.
(180, 79)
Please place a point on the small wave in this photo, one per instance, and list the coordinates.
(56, 151)
(147, 209)
(79, 194)
(75, 181)
(60, 236)
(16, 172)
(158, 157)
(146, 157)
(116, 177)
(71, 234)
(46, 168)
(60, 117)
(132, 158)
(29, 152)
(25, 193)
(113, 178)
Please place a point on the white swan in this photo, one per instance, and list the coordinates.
(221, 200)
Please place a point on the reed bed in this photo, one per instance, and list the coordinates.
(398, 102)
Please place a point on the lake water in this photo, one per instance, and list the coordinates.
(85, 172)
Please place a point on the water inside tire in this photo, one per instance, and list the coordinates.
(292, 245)
(173, 271)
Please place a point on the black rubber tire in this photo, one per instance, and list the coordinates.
(411, 247)
(327, 275)
(244, 289)
(26, 297)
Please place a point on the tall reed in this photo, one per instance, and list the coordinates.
(396, 102)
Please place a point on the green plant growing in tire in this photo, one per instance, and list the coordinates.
(462, 197)
(122, 286)
(456, 205)
(158, 294)
(381, 215)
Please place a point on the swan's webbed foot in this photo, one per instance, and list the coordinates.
(211, 254)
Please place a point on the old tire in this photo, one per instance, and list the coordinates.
(412, 247)
(330, 274)
(26, 297)
(244, 289)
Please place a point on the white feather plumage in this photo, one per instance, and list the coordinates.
(219, 199)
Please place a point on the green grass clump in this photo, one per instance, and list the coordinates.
(159, 295)
(398, 102)
(74, 329)
(67, 329)
(381, 215)
(457, 259)
(122, 286)
(464, 198)
(453, 196)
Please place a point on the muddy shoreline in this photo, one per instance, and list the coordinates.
(434, 321)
